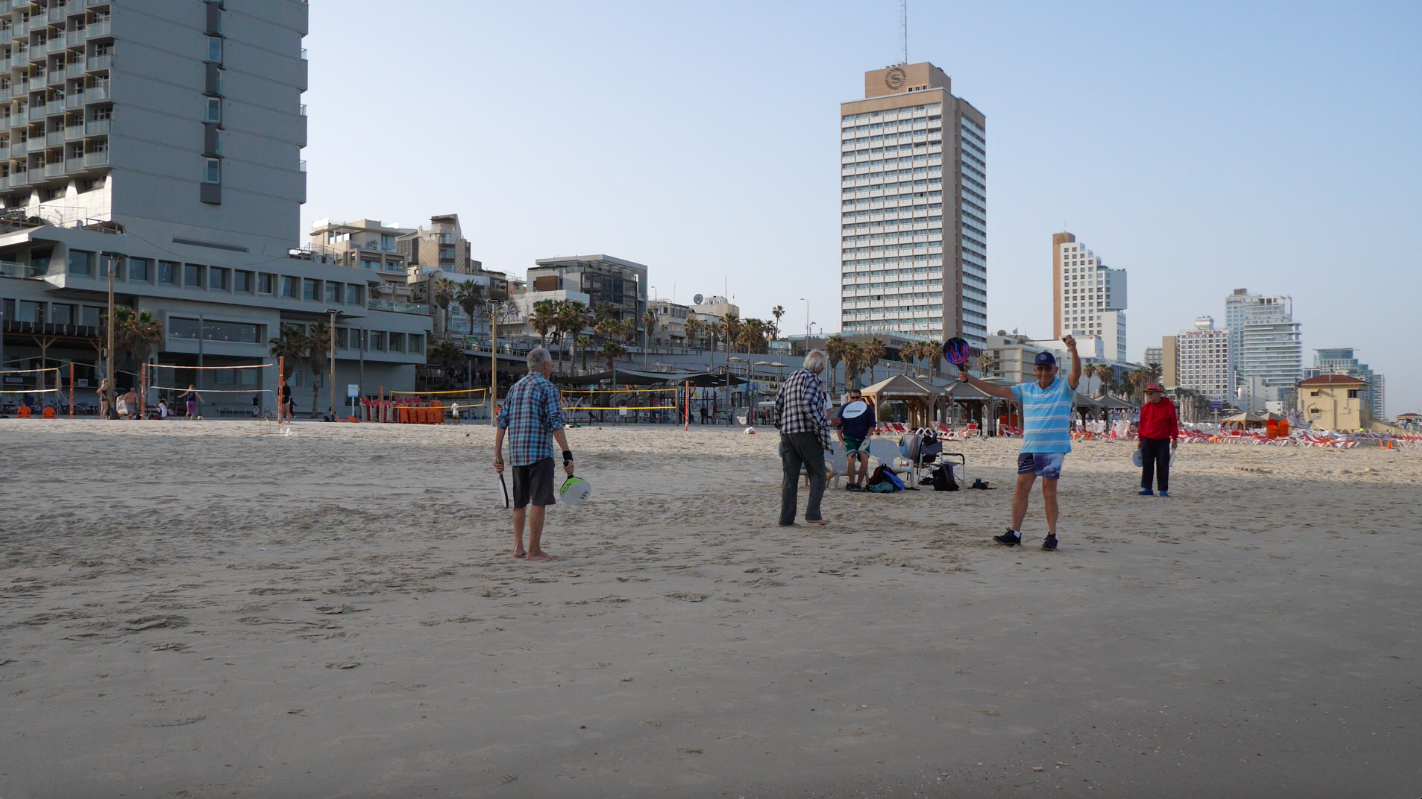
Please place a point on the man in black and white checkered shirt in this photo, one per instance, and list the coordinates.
(800, 413)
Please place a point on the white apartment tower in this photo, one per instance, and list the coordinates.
(913, 208)
(1265, 342)
(1203, 358)
(1088, 297)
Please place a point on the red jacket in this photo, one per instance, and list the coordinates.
(1158, 420)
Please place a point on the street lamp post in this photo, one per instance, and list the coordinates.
(808, 323)
(109, 352)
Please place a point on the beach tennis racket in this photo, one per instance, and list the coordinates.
(956, 351)
(506, 490)
(575, 491)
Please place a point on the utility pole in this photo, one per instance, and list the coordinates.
(493, 359)
(109, 353)
(332, 312)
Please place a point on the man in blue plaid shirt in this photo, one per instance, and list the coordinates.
(801, 414)
(531, 413)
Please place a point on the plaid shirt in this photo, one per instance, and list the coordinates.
(800, 406)
(531, 412)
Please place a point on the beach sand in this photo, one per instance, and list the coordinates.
(202, 610)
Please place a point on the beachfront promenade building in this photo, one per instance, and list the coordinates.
(1088, 298)
(1266, 345)
(164, 140)
(1342, 361)
(1335, 402)
(913, 208)
(1198, 359)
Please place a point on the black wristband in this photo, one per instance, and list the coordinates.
(567, 456)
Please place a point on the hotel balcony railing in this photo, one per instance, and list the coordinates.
(5, 6)
(19, 148)
(54, 107)
(16, 121)
(54, 138)
(17, 269)
(21, 29)
(56, 14)
(97, 29)
(99, 62)
(74, 165)
(96, 126)
(4, 94)
(37, 114)
(73, 132)
(54, 169)
(96, 94)
(75, 100)
(74, 38)
(55, 45)
(4, 182)
(4, 151)
(19, 178)
(96, 158)
(7, 35)
(398, 306)
(74, 69)
(55, 77)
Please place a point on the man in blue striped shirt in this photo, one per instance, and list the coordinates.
(1046, 435)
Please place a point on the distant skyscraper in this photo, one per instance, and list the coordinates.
(1088, 297)
(913, 208)
(1341, 361)
(1265, 342)
(1202, 360)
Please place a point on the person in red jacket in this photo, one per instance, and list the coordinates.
(1159, 434)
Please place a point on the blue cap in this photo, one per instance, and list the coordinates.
(1046, 359)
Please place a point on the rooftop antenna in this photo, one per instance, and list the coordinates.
(903, 21)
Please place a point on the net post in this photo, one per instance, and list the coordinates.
(686, 408)
(71, 389)
(143, 390)
(281, 384)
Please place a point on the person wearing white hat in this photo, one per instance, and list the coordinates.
(1159, 435)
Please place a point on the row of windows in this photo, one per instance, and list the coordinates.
(933, 110)
(52, 313)
(218, 278)
(884, 225)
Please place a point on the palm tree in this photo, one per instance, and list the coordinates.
(584, 344)
(611, 350)
(752, 335)
(544, 319)
(470, 297)
(317, 353)
(693, 332)
(572, 317)
(729, 328)
(290, 345)
(777, 312)
(873, 353)
(987, 363)
(447, 355)
(136, 334)
(627, 330)
(442, 292)
(853, 363)
(649, 325)
(834, 348)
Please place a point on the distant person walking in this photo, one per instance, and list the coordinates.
(191, 398)
(257, 405)
(532, 413)
(1159, 434)
(1046, 436)
(128, 405)
(804, 438)
(104, 398)
(284, 404)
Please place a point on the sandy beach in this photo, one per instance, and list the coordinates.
(209, 609)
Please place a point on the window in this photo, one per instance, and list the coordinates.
(167, 273)
(192, 276)
(266, 283)
(333, 293)
(231, 331)
(182, 328)
(290, 287)
(377, 341)
(61, 314)
(212, 172)
(1353, 393)
(140, 270)
(90, 315)
(214, 49)
(81, 262)
(397, 342)
(417, 342)
(355, 294)
(218, 278)
(312, 290)
(214, 109)
(242, 281)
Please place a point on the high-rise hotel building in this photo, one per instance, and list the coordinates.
(913, 208)
(1088, 297)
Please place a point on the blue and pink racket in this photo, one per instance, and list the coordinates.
(956, 351)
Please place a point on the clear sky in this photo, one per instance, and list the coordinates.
(1203, 146)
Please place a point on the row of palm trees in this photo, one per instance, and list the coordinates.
(310, 348)
(1125, 384)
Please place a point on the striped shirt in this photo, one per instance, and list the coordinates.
(1046, 415)
(531, 412)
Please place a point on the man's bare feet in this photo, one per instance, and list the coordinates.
(542, 557)
(820, 522)
(518, 553)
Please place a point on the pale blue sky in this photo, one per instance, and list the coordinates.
(1204, 146)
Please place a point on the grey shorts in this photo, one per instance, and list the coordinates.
(533, 483)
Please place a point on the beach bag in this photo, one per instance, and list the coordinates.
(881, 488)
(942, 477)
(881, 476)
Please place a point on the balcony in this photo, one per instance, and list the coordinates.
(4, 182)
(74, 164)
(73, 132)
(4, 94)
(19, 148)
(303, 109)
(100, 158)
(398, 306)
(54, 138)
(95, 127)
(4, 6)
(21, 29)
(55, 78)
(99, 62)
(75, 100)
(74, 38)
(19, 178)
(54, 170)
(96, 94)
(7, 35)
(74, 69)
(55, 45)
(37, 114)
(99, 29)
(54, 107)
(56, 14)
(4, 152)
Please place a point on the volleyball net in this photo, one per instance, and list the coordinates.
(475, 396)
(151, 377)
(31, 381)
(621, 399)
